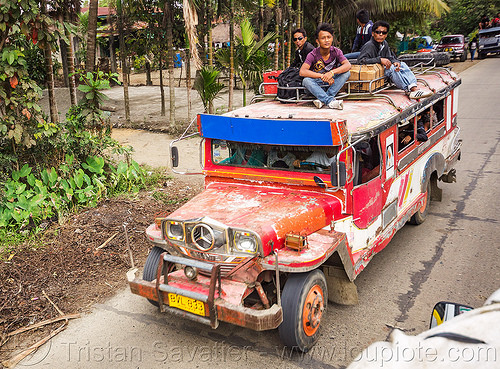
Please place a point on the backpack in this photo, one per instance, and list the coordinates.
(289, 78)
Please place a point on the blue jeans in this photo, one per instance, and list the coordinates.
(313, 85)
(404, 79)
(353, 55)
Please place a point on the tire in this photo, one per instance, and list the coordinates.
(304, 302)
(481, 55)
(464, 56)
(421, 214)
(151, 267)
(440, 58)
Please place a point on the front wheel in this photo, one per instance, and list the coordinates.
(151, 266)
(421, 214)
(304, 303)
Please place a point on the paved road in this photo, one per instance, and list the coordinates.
(454, 256)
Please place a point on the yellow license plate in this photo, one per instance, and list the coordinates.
(186, 303)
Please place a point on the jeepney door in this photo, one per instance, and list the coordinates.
(370, 198)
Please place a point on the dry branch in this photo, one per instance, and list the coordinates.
(106, 242)
(42, 323)
(13, 361)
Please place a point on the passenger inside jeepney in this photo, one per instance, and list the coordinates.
(242, 156)
(429, 119)
(368, 161)
(406, 134)
(303, 158)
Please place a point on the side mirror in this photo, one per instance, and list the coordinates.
(174, 154)
(341, 174)
(444, 311)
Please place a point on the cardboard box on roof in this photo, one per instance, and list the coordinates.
(367, 73)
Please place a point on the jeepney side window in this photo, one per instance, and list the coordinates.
(438, 111)
(406, 134)
(367, 161)
(220, 151)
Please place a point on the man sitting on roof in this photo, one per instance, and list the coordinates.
(377, 51)
(363, 33)
(325, 64)
(304, 47)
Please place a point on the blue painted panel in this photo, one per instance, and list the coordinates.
(267, 131)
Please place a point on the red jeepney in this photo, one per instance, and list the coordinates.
(297, 201)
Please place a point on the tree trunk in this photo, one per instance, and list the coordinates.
(123, 52)
(210, 47)
(231, 54)
(91, 35)
(188, 81)
(54, 117)
(299, 13)
(282, 48)
(162, 89)
(290, 30)
(277, 31)
(170, 61)
(149, 82)
(71, 70)
(321, 6)
(210, 16)
(63, 47)
(111, 40)
(261, 19)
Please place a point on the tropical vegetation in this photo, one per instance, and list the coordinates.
(52, 165)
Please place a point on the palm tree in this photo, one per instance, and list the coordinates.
(123, 55)
(290, 30)
(168, 21)
(231, 54)
(69, 10)
(207, 86)
(54, 115)
(277, 15)
(91, 35)
(436, 7)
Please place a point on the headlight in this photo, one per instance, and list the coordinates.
(175, 231)
(245, 242)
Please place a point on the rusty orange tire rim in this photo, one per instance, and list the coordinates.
(313, 310)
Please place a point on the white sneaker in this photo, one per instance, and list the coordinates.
(318, 104)
(336, 104)
(419, 94)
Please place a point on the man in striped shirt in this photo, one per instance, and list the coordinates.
(363, 33)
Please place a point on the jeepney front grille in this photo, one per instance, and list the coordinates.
(225, 269)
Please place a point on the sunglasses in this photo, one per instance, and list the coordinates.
(298, 38)
(380, 32)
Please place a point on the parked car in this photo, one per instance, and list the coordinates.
(489, 41)
(454, 45)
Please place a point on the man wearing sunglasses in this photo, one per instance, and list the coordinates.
(377, 51)
(304, 47)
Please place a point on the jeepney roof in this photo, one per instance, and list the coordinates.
(362, 116)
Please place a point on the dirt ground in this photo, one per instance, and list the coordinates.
(67, 265)
(64, 263)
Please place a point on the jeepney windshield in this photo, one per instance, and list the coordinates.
(281, 157)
